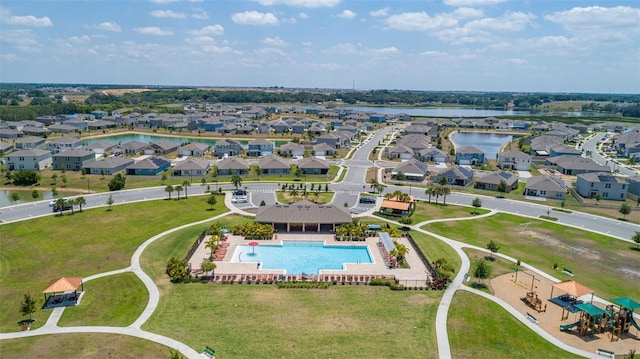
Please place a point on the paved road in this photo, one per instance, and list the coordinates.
(591, 145)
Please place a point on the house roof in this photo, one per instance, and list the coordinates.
(401, 206)
(570, 162)
(496, 177)
(63, 284)
(233, 163)
(273, 162)
(514, 154)
(323, 147)
(192, 164)
(302, 212)
(456, 172)
(133, 145)
(469, 150)
(30, 139)
(74, 153)
(601, 177)
(313, 162)
(195, 146)
(164, 145)
(290, 146)
(29, 152)
(411, 167)
(150, 163)
(546, 183)
(260, 141)
(111, 162)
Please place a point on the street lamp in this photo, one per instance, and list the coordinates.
(88, 187)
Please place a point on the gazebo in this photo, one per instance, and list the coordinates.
(573, 288)
(62, 285)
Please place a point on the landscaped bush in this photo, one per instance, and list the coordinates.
(391, 283)
(351, 232)
(304, 285)
(253, 230)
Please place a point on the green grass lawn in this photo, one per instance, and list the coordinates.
(323, 197)
(479, 328)
(342, 321)
(115, 300)
(85, 345)
(94, 241)
(605, 264)
(427, 211)
(498, 267)
(435, 249)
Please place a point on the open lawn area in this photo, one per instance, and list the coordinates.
(609, 266)
(321, 198)
(94, 241)
(115, 300)
(426, 211)
(342, 321)
(90, 346)
(479, 328)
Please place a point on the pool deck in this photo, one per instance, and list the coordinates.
(416, 275)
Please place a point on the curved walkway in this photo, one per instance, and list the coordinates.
(134, 329)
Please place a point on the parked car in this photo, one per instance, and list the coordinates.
(239, 192)
(367, 199)
(239, 199)
(66, 207)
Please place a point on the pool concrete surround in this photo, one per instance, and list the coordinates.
(416, 273)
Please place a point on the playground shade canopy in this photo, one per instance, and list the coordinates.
(572, 287)
(590, 309)
(63, 284)
(627, 303)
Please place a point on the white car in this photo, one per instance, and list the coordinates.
(239, 199)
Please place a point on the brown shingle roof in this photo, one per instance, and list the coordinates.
(302, 212)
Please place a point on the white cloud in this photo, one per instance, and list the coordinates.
(153, 30)
(10, 57)
(269, 51)
(200, 14)
(432, 53)
(300, 3)
(303, 16)
(358, 49)
(6, 17)
(168, 14)
(346, 14)
(162, 1)
(384, 51)
(472, 2)
(510, 21)
(517, 61)
(209, 30)
(218, 49)
(254, 18)
(274, 41)
(466, 13)
(307, 43)
(550, 42)
(108, 26)
(341, 49)
(326, 67)
(79, 40)
(599, 24)
(201, 40)
(411, 21)
(18, 37)
(379, 12)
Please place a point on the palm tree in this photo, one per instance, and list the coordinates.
(61, 203)
(169, 189)
(213, 245)
(430, 191)
(373, 183)
(178, 190)
(186, 184)
(294, 193)
(236, 180)
(401, 251)
(445, 192)
(80, 201)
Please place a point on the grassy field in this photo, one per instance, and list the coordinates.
(115, 300)
(323, 197)
(89, 346)
(94, 241)
(343, 321)
(479, 328)
(498, 266)
(607, 265)
(435, 249)
(427, 211)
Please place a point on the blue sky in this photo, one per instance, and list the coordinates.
(479, 45)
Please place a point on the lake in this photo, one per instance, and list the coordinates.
(25, 197)
(489, 143)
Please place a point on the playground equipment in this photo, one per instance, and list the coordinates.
(532, 300)
(567, 327)
(592, 320)
(625, 314)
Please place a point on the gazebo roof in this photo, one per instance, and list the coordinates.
(627, 303)
(590, 309)
(574, 288)
(63, 284)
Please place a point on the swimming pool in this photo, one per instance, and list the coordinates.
(297, 257)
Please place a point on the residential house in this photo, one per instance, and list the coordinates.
(46, 120)
(228, 128)
(605, 184)
(273, 165)
(260, 147)
(545, 186)
(563, 150)
(335, 139)
(101, 124)
(411, 170)
(291, 149)
(133, 147)
(30, 142)
(108, 166)
(192, 167)
(634, 185)
(63, 144)
(245, 130)
(101, 147)
(79, 123)
(313, 166)
(232, 166)
(149, 166)
(8, 133)
(29, 159)
(377, 118)
(628, 143)
(400, 151)
(491, 181)
(323, 149)
(62, 128)
(574, 165)
(280, 126)
(36, 131)
(164, 147)
(431, 154)
(541, 145)
(72, 160)
(212, 125)
(514, 160)
(469, 155)
(227, 147)
(5, 147)
(419, 130)
(455, 175)
(316, 130)
(298, 127)
(193, 149)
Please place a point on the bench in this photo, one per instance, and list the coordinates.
(532, 319)
(209, 352)
(605, 353)
(567, 272)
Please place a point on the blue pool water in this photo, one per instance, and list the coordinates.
(297, 257)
